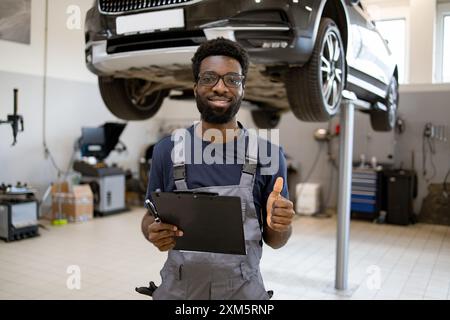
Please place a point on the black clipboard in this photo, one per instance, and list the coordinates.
(210, 223)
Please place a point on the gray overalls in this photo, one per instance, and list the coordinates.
(204, 276)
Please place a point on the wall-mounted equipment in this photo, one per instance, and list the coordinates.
(439, 133)
(15, 120)
(433, 136)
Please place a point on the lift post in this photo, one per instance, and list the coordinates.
(347, 121)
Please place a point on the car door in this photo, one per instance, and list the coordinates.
(368, 56)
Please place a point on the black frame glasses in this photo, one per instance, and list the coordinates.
(210, 79)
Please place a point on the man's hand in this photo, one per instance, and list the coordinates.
(163, 235)
(280, 210)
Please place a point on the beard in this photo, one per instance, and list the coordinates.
(216, 115)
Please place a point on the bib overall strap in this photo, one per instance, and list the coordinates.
(251, 160)
(179, 160)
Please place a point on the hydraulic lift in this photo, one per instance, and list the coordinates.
(347, 120)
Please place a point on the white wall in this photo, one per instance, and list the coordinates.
(65, 43)
(66, 40)
(72, 100)
(422, 26)
(22, 58)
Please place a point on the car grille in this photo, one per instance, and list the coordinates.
(158, 40)
(116, 6)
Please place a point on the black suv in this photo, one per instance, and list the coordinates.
(304, 54)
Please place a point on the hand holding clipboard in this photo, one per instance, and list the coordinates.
(210, 222)
(162, 235)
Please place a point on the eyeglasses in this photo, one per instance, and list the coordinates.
(231, 80)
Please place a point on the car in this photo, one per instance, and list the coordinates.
(304, 55)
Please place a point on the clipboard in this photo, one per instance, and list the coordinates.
(210, 223)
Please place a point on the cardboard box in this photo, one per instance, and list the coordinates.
(75, 206)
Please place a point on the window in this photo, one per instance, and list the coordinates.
(443, 43)
(446, 51)
(396, 42)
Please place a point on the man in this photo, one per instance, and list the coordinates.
(219, 68)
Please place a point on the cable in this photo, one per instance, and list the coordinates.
(446, 192)
(330, 186)
(334, 166)
(428, 147)
(60, 172)
(52, 160)
(44, 86)
(47, 152)
(445, 184)
(72, 160)
(432, 152)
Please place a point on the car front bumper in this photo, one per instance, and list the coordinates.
(100, 62)
(278, 37)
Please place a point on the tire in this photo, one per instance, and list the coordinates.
(117, 94)
(386, 120)
(264, 119)
(314, 91)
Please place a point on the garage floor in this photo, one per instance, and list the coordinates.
(386, 262)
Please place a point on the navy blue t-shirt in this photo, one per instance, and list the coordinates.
(218, 174)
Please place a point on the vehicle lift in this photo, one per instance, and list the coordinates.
(347, 119)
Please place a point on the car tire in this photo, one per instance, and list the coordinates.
(264, 119)
(386, 120)
(314, 91)
(117, 94)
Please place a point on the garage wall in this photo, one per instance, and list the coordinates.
(70, 105)
(72, 99)
(309, 157)
(419, 105)
(66, 40)
(312, 157)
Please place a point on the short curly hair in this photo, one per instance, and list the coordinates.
(220, 47)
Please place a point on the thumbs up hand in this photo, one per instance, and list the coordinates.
(280, 210)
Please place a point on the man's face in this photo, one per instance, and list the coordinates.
(220, 103)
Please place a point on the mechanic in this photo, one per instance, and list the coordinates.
(220, 67)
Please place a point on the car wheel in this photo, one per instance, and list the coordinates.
(385, 120)
(315, 90)
(265, 119)
(127, 99)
